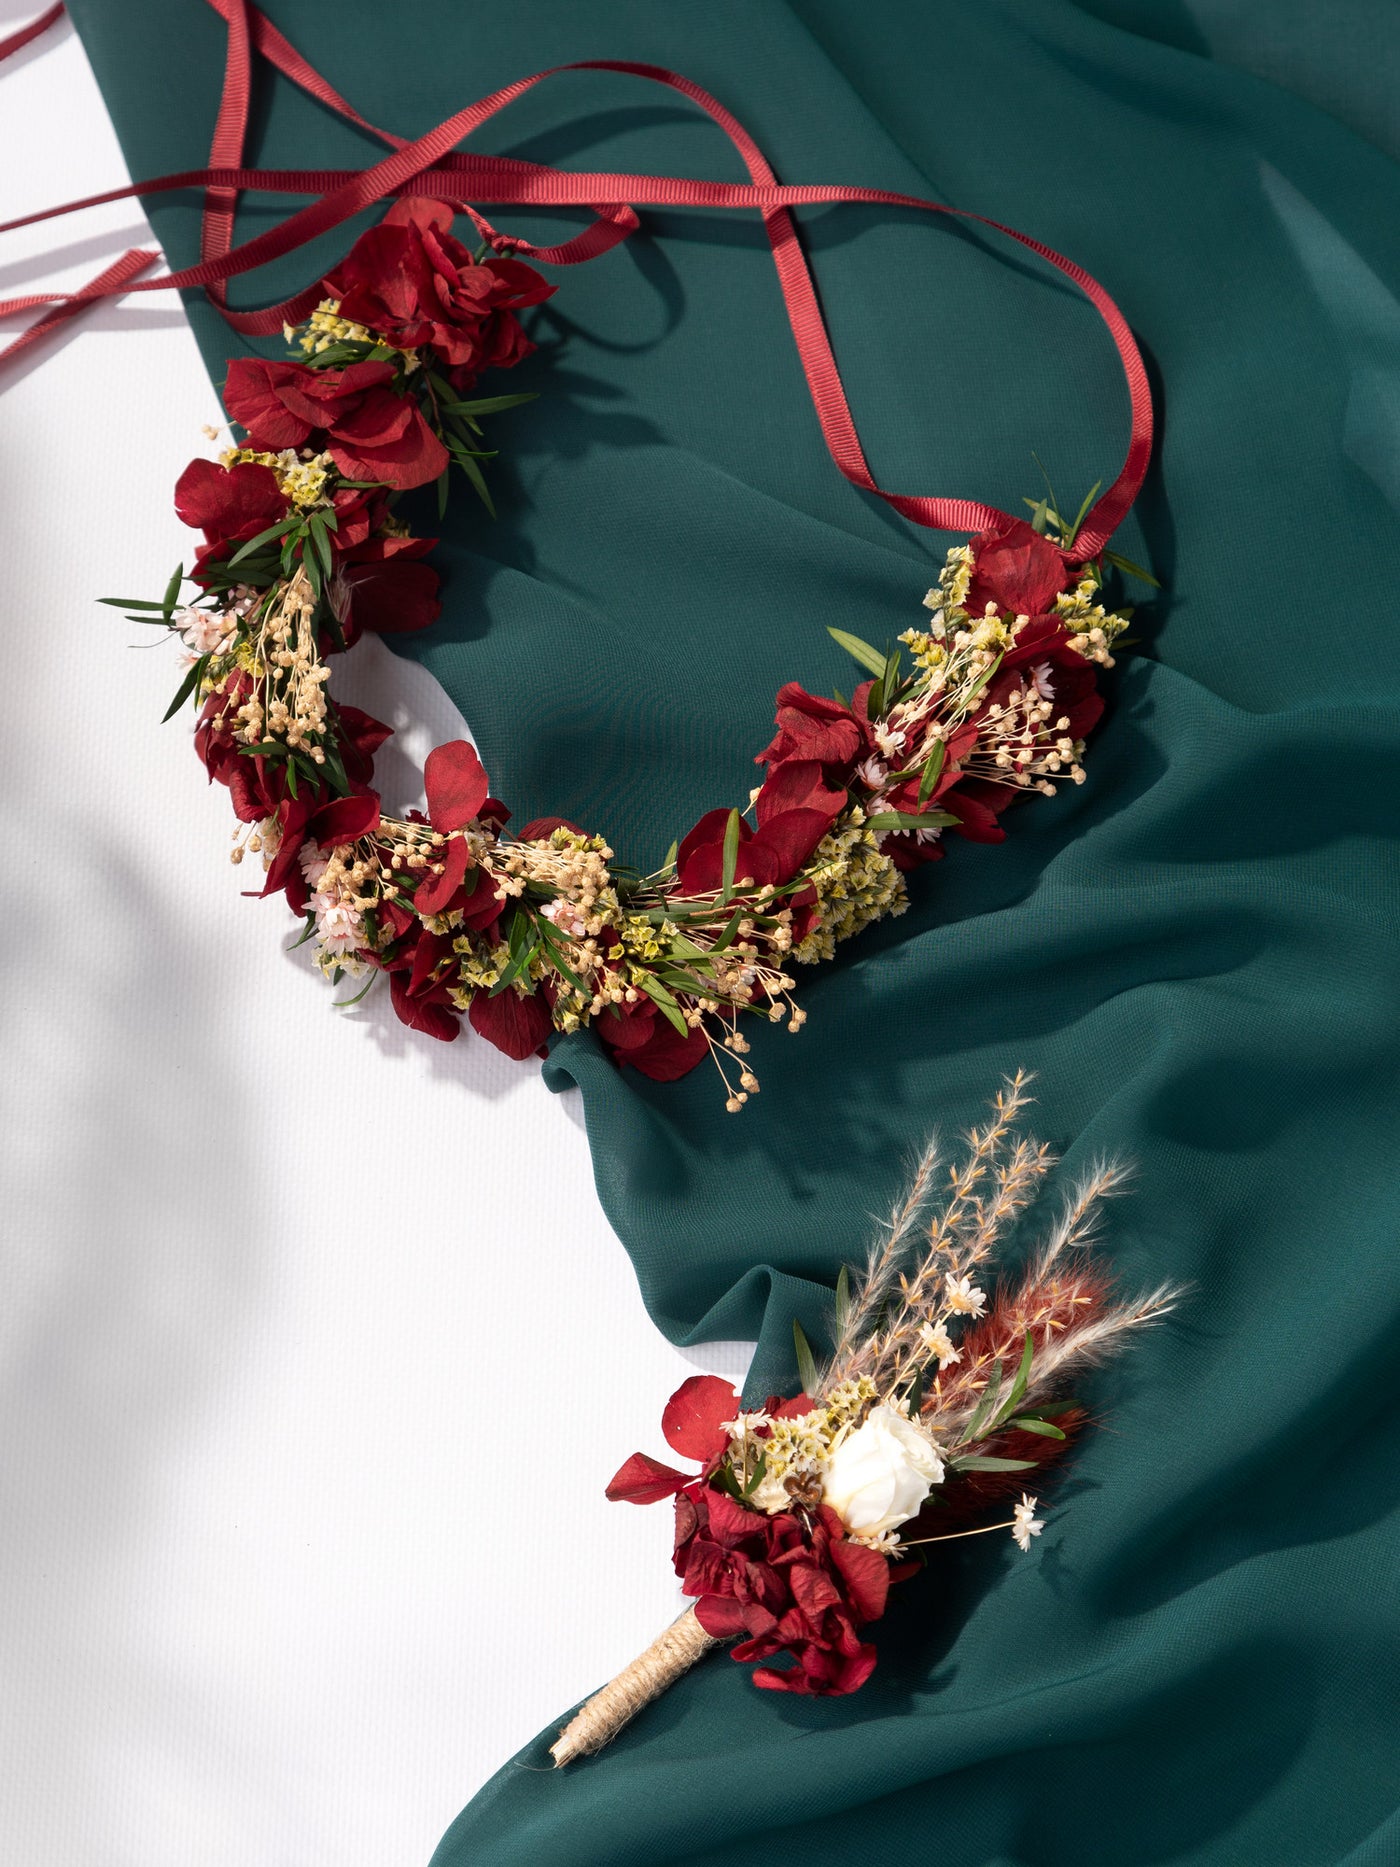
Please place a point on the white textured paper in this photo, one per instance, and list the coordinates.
(313, 1335)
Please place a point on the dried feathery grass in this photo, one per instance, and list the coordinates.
(897, 1328)
(859, 1340)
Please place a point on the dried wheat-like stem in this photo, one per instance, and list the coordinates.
(881, 1267)
(862, 1349)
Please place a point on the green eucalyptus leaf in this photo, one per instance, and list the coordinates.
(1024, 1423)
(730, 856)
(980, 1462)
(933, 771)
(867, 656)
(1133, 570)
(806, 1360)
(263, 537)
(192, 679)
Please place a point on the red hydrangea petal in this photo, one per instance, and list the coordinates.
(693, 1422)
(666, 1056)
(456, 785)
(644, 1480)
(786, 840)
(394, 597)
(798, 784)
(344, 819)
(229, 502)
(436, 891)
(252, 400)
(517, 1025)
(866, 1576)
(1015, 568)
(430, 1016)
(720, 1616)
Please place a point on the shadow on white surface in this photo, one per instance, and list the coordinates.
(300, 1316)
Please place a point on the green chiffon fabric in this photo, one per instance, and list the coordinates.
(1196, 951)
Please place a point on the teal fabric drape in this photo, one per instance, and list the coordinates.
(1196, 950)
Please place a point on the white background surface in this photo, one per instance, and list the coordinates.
(311, 1330)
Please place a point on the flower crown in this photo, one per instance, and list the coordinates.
(531, 931)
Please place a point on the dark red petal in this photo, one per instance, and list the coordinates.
(429, 1016)
(412, 459)
(667, 1056)
(538, 828)
(866, 1575)
(976, 820)
(514, 1024)
(456, 784)
(1015, 568)
(229, 502)
(251, 398)
(812, 1588)
(627, 1027)
(798, 784)
(644, 1480)
(787, 839)
(379, 417)
(720, 1616)
(693, 1422)
(345, 819)
(395, 597)
(436, 891)
(365, 733)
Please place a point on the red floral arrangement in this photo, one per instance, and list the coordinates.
(538, 930)
(937, 1402)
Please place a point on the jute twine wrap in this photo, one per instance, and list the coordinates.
(649, 1675)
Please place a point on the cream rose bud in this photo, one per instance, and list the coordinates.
(881, 1473)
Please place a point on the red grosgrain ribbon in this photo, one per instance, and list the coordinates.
(429, 166)
(27, 34)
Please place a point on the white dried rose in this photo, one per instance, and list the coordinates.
(880, 1474)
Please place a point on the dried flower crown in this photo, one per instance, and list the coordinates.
(541, 930)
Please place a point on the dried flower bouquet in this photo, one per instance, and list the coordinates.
(937, 1404)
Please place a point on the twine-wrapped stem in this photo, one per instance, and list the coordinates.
(648, 1676)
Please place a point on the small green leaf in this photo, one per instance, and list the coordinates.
(1080, 516)
(491, 404)
(975, 690)
(670, 861)
(756, 1479)
(344, 1004)
(933, 771)
(730, 930)
(730, 855)
(1018, 1386)
(867, 656)
(478, 480)
(130, 602)
(1025, 1423)
(885, 820)
(916, 1395)
(806, 1360)
(984, 1406)
(263, 537)
(670, 1010)
(186, 688)
(1133, 570)
(979, 1462)
(442, 491)
(172, 591)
